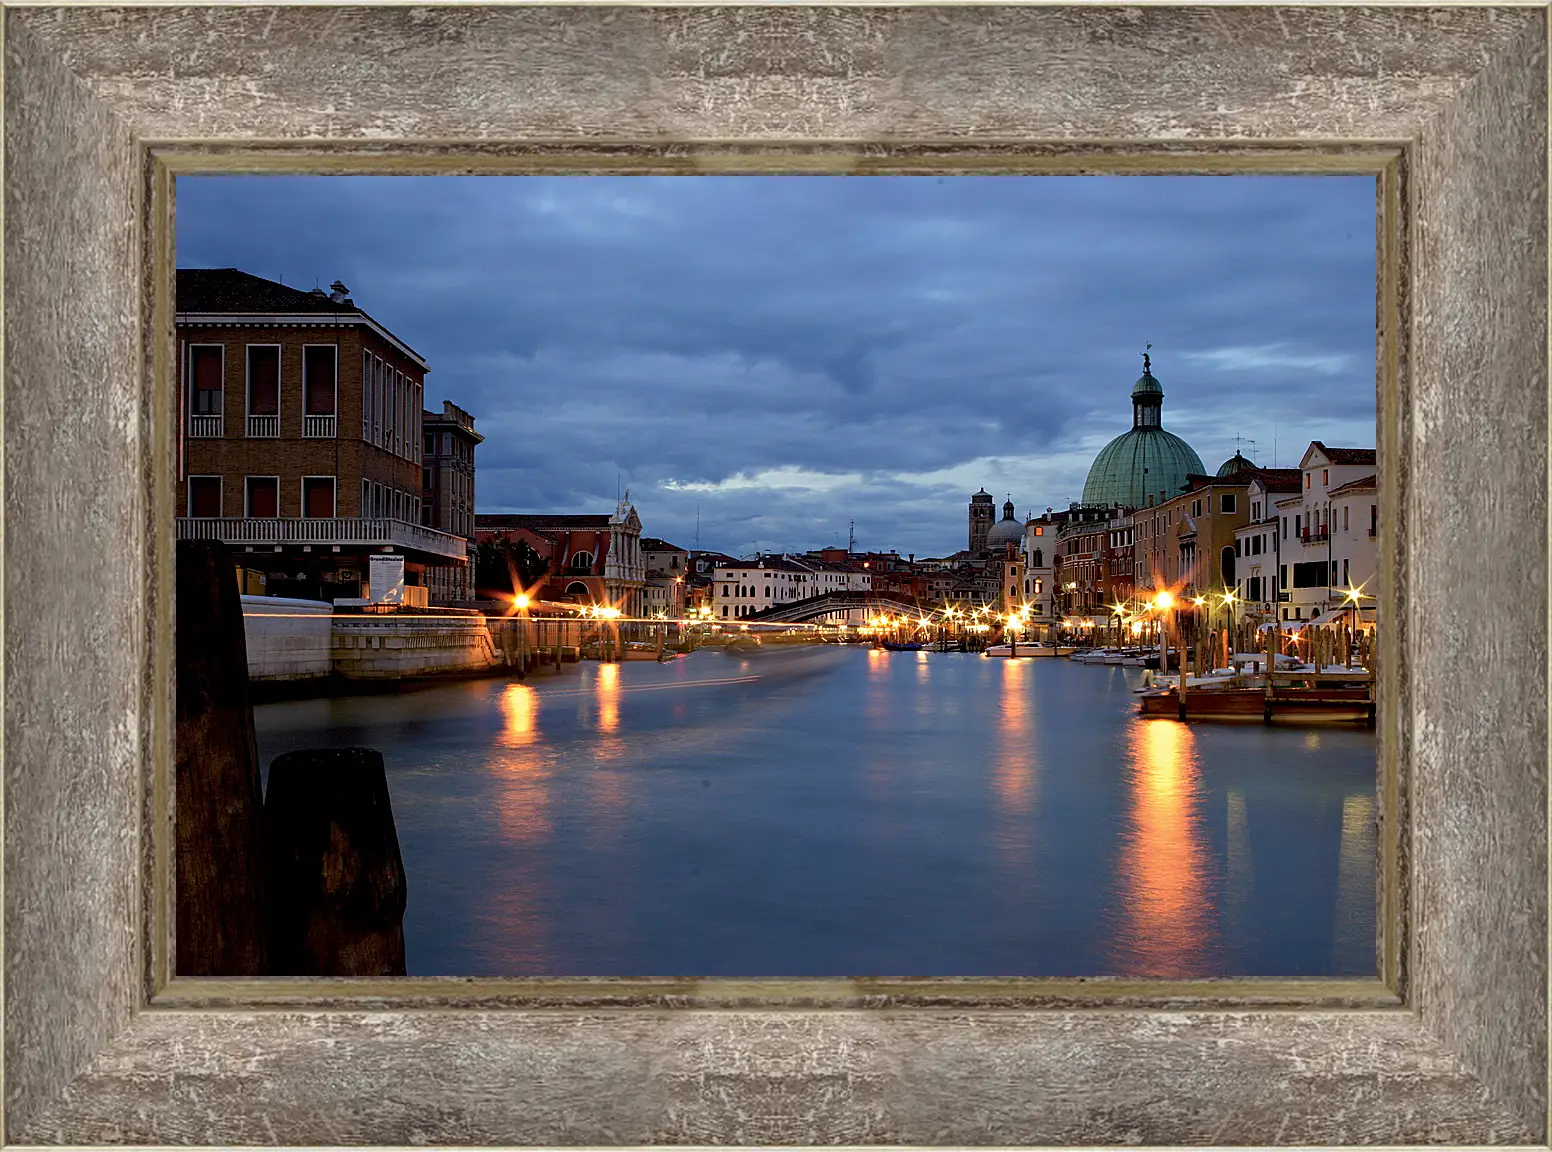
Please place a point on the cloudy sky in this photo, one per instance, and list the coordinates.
(783, 355)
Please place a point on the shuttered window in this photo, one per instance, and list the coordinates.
(263, 380)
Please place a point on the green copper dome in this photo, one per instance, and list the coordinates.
(1235, 463)
(1144, 462)
(1139, 464)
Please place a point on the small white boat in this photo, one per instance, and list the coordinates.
(1007, 651)
(1021, 651)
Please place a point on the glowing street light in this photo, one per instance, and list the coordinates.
(521, 601)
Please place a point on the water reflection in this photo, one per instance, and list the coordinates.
(823, 813)
(608, 697)
(519, 769)
(1013, 768)
(1355, 887)
(512, 920)
(520, 707)
(1163, 867)
(1012, 764)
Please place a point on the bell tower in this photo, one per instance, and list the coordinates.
(983, 511)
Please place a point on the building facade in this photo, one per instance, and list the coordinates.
(300, 437)
(1258, 544)
(750, 586)
(592, 558)
(447, 493)
(665, 592)
(1335, 481)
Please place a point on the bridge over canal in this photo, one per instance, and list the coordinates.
(815, 609)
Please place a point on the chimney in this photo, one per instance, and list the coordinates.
(339, 293)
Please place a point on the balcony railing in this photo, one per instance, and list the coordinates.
(1374, 531)
(370, 531)
(1316, 536)
(263, 426)
(205, 427)
(318, 427)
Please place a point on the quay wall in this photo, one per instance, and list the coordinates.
(288, 639)
(298, 640)
(387, 647)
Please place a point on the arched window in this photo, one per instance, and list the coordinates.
(581, 559)
(577, 588)
(726, 588)
(1226, 561)
(1039, 562)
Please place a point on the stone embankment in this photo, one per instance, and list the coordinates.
(302, 644)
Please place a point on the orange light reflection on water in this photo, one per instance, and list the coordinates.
(608, 697)
(1167, 921)
(1012, 773)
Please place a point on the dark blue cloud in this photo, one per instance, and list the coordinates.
(787, 354)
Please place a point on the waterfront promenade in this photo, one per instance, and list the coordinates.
(850, 811)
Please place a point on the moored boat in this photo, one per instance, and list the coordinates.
(1020, 651)
(1225, 703)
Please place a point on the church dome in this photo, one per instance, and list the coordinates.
(1006, 531)
(1145, 461)
(1235, 463)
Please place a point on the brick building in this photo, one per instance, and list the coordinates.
(447, 492)
(300, 436)
(594, 558)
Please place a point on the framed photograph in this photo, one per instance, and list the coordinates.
(161, 405)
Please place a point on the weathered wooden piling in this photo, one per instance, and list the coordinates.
(219, 920)
(335, 886)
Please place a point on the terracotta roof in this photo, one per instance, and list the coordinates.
(1362, 484)
(653, 544)
(541, 521)
(1280, 479)
(1346, 455)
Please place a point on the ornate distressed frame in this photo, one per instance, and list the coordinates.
(102, 108)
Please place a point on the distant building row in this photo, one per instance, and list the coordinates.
(1287, 542)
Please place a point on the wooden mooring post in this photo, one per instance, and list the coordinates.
(335, 886)
(218, 800)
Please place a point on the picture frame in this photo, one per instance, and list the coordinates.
(105, 107)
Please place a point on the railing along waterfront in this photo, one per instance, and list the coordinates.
(322, 530)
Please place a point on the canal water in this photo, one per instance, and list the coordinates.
(844, 811)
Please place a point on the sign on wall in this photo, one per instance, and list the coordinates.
(385, 579)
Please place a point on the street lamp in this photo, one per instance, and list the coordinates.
(1352, 596)
(1163, 603)
(1228, 599)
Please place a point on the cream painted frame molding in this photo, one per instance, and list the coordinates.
(103, 108)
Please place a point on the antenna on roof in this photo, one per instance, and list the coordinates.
(851, 538)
